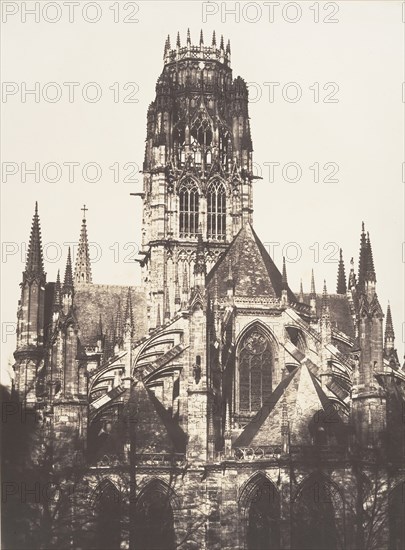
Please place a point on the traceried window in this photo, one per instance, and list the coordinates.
(189, 204)
(255, 365)
(216, 211)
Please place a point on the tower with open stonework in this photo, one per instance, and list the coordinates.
(213, 407)
(197, 169)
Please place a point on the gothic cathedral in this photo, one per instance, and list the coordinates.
(212, 407)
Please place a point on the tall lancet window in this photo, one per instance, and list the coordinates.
(255, 370)
(189, 204)
(216, 211)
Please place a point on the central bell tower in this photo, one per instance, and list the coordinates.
(197, 170)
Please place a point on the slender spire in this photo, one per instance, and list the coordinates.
(35, 262)
(325, 299)
(313, 293)
(214, 39)
(370, 271)
(201, 38)
(228, 47)
(362, 257)
(188, 37)
(83, 266)
(341, 279)
(178, 40)
(68, 280)
(221, 45)
(57, 296)
(284, 282)
(301, 292)
(389, 337)
(167, 45)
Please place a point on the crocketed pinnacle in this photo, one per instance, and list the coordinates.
(362, 257)
(389, 327)
(83, 266)
(35, 261)
(341, 278)
(301, 292)
(370, 271)
(284, 282)
(68, 280)
(312, 293)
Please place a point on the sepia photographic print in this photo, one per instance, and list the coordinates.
(202, 291)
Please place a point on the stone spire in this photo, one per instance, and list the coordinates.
(35, 261)
(284, 284)
(214, 39)
(68, 280)
(370, 271)
(389, 336)
(325, 302)
(201, 38)
(301, 292)
(341, 287)
(67, 289)
(362, 257)
(83, 267)
(284, 281)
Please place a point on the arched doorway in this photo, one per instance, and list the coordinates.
(261, 504)
(396, 512)
(314, 525)
(107, 527)
(154, 520)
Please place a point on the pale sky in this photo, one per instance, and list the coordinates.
(358, 61)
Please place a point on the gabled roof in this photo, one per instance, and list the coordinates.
(253, 271)
(300, 397)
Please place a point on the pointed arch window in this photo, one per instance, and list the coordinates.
(189, 205)
(255, 370)
(216, 211)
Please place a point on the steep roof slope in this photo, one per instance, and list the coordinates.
(253, 271)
